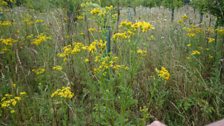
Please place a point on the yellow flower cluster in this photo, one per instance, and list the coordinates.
(163, 73)
(96, 11)
(123, 35)
(8, 41)
(195, 52)
(68, 50)
(5, 23)
(40, 39)
(107, 63)
(39, 21)
(192, 31)
(64, 92)
(183, 19)
(211, 40)
(38, 71)
(131, 28)
(57, 68)
(92, 30)
(80, 17)
(71, 50)
(144, 26)
(141, 52)
(125, 23)
(101, 11)
(220, 31)
(30, 21)
(9, 101)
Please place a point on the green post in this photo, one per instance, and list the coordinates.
(108, 50)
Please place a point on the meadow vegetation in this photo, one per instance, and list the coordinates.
(88, 63)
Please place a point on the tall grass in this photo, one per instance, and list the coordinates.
(134, 93)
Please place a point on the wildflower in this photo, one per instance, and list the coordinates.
(180, 21)
(189, 45)
(92, 47)
(64, 92)
(141, 52)
(192, 30)
(195, 52)
(5, 23)
(12, 111)
(220, 31)
(81, 33)
(211, 40)
(184, 17)
(123, 35)
(106, 63)
(96, 11)
(144, 26)
(86, 60)
(80, 17)
(191, 35)
(38, 71)
(9, 102)
(8, 41)
(14, 85)
(125, 24)
(163, 73)
(28, 21)
(23, 93)
(29, 36)
(40, 39)
(92, 30)
(39, 21)
(109, 8)
(57, 68)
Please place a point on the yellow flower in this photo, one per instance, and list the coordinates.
(92, 47)
(144, 26)
(92, 30)
(80, 17)
(184, 17)
(191, 35)
(5, 23)
(123, 35)
(38, 71)
(195, 52)
(8, 41)
(163, 73)
(141, 52)
(64, 92)
(189, 45)
(39, 21)
(86, 60)
(220, 31)
(12, 111)
(96, 11)
(125, 24)
(211, 40)
(109, 8)
(180, 21)
(57, 68)
(40, 39)
(23, 93)
(14, 85)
